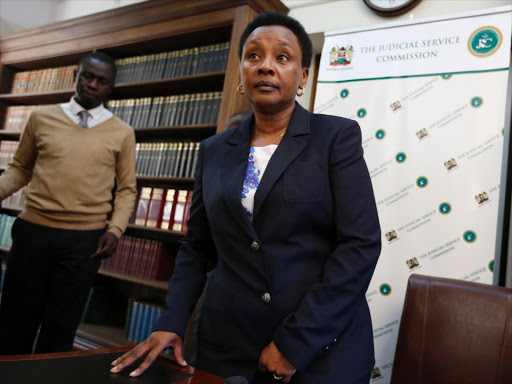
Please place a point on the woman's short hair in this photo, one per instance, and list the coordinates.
(278, 18)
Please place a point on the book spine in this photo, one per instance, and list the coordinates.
(142, 207)
(179, 211)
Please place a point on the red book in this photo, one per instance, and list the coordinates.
(163, 266)
(142, 206)
(146, 273)
(187, 211)
(168, 210)
(156, 206)
(179, 211)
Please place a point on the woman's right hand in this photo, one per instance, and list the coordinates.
(150, 348)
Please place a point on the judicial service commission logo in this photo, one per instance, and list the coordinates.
(485, 41)
(385, 289)
(445, 208)
(469, 236)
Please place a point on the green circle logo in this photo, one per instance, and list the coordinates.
(469, 236)
(400, 157)
(362, 113)
(485, 41)
(385, 289)
(344, 93)
(422, 182)
(445, 208)
(380, 134)
(446, 76)
(476, 101)
(491, 266)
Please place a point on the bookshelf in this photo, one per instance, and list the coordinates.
(143, 29)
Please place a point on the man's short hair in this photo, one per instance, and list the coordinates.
(100, 56)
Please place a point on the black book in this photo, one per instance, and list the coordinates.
(215, 58)
(159, 157)
(177, 160)
(224, 57)
(190, 110)
(208, 108)
(136, 113)
(173, 146)
(194, 116)
(183, 160)
(186, 105)
(202, 59)
(152, 112)
(130, 104)
(159, 66)
(216, 107)
(191, 148)
(149, 68)
(165, 112)
(172, 159)
(172, 112)
(152, 159)
(165, 157)
(173, 65)
(202, 108)
(179, 110)
(194, 160)
(146, 107)
(159, 105)
(121, 70)
(181, 63)
(194, 63)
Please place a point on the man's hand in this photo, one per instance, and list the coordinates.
(271, 360)
(106, 246)
(151, 348)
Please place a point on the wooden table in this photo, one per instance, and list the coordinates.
(198, 376)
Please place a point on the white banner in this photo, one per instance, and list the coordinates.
(433, 135)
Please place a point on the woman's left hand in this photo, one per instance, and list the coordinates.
(272, 361)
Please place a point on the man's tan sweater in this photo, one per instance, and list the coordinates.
(72, 172)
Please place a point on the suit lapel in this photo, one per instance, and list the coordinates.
(292, 144)
(234, 164)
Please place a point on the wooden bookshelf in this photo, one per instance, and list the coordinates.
(100, 336)
(174, 86)
(9, 135)
(136, 280)
(145, 28)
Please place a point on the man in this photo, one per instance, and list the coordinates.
(71, 154)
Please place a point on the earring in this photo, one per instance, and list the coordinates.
(240, 89)
(300, 92)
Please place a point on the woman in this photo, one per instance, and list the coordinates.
(296, 253)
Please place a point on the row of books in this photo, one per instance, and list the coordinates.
(166, 111)
(163, 208)
(16, 116)
(140, 257)
(166, 159)
(7, 150)
(6, 223)
(16, 200)
(141, 317)
(165, 65)
(43, 80)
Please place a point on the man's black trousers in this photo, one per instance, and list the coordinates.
(47, 282)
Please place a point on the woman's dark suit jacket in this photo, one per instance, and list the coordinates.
(299, 272)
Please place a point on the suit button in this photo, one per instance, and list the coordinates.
(255, 246)
(266, 298)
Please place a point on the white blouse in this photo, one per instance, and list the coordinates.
(258, 161)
